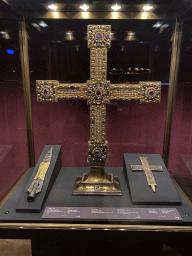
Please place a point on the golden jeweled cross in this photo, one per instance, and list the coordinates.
(98, 91)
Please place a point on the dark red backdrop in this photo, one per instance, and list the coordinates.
(130, 128)
(180, 157)
(13, 137)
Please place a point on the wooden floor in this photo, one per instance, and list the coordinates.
(16, 247)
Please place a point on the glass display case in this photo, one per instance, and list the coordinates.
(13, 140)
(180, 149)
(130, 67)
(135, 55)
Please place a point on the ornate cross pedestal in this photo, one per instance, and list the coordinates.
(98, 92)
(97, 182)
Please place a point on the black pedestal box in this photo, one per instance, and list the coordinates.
(50, 177)
(141, 193)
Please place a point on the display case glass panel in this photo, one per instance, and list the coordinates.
(58, 50)
(180, 156)
(13, 137)
(140, 51)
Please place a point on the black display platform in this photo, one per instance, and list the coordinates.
(55, 166)
(61, 195)
(165, 191)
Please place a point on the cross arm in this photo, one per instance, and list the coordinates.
(136, 168)
(145, 92)
(52, 90)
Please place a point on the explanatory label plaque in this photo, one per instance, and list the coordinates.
(111, 213)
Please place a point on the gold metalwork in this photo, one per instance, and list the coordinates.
(106, 227)
(97, 182)
(37, 182)
(26, 90)
(52, 90)
(43, 167)
(148, 171)
(98, 91)
(144, 92)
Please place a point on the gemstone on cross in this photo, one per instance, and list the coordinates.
(98, 91)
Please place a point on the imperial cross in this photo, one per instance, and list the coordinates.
(148, 171)
(98, 91)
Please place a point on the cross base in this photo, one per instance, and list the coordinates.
(97, 182)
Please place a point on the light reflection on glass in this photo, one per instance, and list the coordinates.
(85, 15)
(52, 7)
(116, 7)
(84, 7)
(147, 7)
(115, 15)
(55, 14)
(144, 15)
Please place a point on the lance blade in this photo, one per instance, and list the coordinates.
(37, 182)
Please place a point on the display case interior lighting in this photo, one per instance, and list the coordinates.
(147, 8)
(144, 15)
(157, 25)
(116, 7)
(34, 25)
(9, 51)
(84, 7)
(52, 7)
(43, 24)
(165, 25)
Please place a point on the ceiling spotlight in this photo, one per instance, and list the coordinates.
(147, 7)
(116, 7)
(131, 33)
(2, 32)
(43, 24)
(52, 7)
(157, 25)
(141, 42)
(68, 33)
(84, 7)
